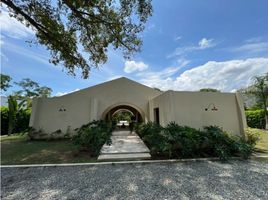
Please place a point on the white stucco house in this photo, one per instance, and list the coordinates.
(194, 109)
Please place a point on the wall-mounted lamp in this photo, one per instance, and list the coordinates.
(214, 108)
(62, 109)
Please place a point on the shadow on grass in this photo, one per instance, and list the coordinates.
(20, 150)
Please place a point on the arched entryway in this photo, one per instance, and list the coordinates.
(126, 144)
(135, 114)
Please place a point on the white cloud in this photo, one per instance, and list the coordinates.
(204, 43)
(1, 40)
(33, 53)
(154, 79)
(58, 94)
(167, 72)
(182, 62)
(12, 27)
(177, 38)
(253, 40)
(2, 55)
(253, 47)
(132, 66)
(225, 76)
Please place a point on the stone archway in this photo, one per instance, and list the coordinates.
(107, 115)
(126, 144)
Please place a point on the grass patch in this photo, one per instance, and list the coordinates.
(18, 149)
(14, 137)
(260, 159)
(262, 143)
(261, 147)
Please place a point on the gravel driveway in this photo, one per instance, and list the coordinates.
(185, 180)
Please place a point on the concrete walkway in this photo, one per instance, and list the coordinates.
(125, 146)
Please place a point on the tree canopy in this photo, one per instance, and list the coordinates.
(122, 116)
(209, 90)
(5, 80)
(31, 89)
(259, 89)
(68, 28)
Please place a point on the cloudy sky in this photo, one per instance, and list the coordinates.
(188, 45)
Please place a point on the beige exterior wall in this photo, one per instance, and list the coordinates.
(188, 108)
(88, 104)
(185, 108)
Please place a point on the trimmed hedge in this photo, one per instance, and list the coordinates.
(21, 122)
(256, 118)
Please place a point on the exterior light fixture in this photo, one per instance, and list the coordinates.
(62, 109)
(212, 107)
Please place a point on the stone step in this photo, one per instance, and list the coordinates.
(124, 156)
(125, 152)
(125, 145)
(125, 136)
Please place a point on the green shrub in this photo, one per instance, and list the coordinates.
(243, 148)
(4, 120)
(256, 118)
(183, 140)
(93, 136)
(174, 141)
(222, 145)
(253, 136)
(152, 136)
(21, 121)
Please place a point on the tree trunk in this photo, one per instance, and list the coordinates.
(266, 121)
(264, 99)
(12, 109)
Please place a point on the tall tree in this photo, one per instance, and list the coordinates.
(44, 91)
(5, 80)
(259, 89)
(29, 90)
(62, 25)
(209, 90)
(12, 111)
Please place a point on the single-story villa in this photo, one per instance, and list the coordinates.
(194, 109)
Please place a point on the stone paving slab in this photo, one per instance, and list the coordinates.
(124, 156)
(124, 142)
(123, 133)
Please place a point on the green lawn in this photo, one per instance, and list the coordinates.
(261, 147)
(18, 149)
(262, 144)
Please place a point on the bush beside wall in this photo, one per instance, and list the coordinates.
(174, 141)
(21, 122)
(256, 118)
(93, 136)
(4, 120)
